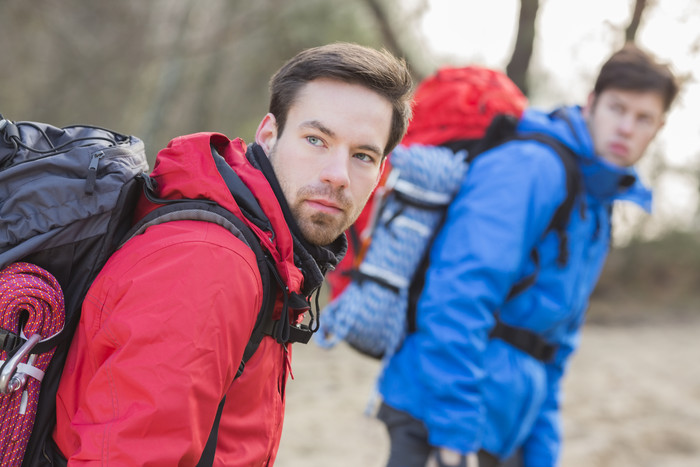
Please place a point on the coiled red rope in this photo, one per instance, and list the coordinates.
(30, 298)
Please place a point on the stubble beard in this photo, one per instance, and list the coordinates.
(319, 228)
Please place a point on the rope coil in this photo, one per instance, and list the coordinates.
(31, 303)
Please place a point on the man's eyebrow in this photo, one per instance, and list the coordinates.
(318, 126)
(371, 148)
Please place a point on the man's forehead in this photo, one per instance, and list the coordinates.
(632, 94)
(327, 105)
(649, 100)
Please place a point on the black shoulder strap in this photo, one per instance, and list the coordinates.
(503, 129)
(561, 216)
(210, 211)
(524, 339)
(573, 189)
(209, 452)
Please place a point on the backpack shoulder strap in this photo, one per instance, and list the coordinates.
(574, 186)
(561, 216)
(210, 211)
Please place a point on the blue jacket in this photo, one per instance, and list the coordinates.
(473, 392)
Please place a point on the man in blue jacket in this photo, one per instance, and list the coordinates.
(455, 394)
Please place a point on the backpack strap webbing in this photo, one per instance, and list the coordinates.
(209, 211)
(574, 186)
(560, 218)
(524, 339)
(209, 452)
(502, 129)
(528, 280)
(521, 338)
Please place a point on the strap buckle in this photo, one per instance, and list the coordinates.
(298, 333)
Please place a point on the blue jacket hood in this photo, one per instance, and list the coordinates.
(603, 181)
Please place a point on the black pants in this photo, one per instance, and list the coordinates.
(409, 442)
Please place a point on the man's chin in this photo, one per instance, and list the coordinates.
(618, 160)
(320, 234)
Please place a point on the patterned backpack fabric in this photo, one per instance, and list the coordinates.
(453, 110)
(371, 313)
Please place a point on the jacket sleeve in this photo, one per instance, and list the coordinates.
(506, 202)
(164, 329)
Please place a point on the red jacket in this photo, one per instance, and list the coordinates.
(164, 326)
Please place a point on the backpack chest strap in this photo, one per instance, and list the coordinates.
(526, 340)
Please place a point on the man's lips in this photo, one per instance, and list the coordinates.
(324, 205)
(619, 149)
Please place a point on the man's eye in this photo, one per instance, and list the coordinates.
(617, 108)
(314, 140)
(645, 119)
(364, 157)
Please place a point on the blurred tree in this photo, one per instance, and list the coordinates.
(225, 55)
(68, 56)
(519, 63)
(162, 68)
(171, 70)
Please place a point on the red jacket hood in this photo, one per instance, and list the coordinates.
(186, 169)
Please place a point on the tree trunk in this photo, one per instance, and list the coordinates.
(631, 31)
(524, 42)
(389, 36)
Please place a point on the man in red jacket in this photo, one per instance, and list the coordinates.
(165, 324)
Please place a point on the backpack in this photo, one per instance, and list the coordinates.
(459, 114)
(67, 198)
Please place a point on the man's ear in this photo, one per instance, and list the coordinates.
(662, 123)
(266, 135)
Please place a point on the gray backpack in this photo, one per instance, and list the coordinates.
(66, 200)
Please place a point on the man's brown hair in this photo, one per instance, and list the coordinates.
(632, 69)
(377, 70)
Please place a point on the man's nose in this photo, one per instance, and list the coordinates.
(335, 169)
(626, 124)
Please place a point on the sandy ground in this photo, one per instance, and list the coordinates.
(632, 399)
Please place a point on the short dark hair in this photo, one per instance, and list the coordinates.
(631, 68)
(378, 70)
